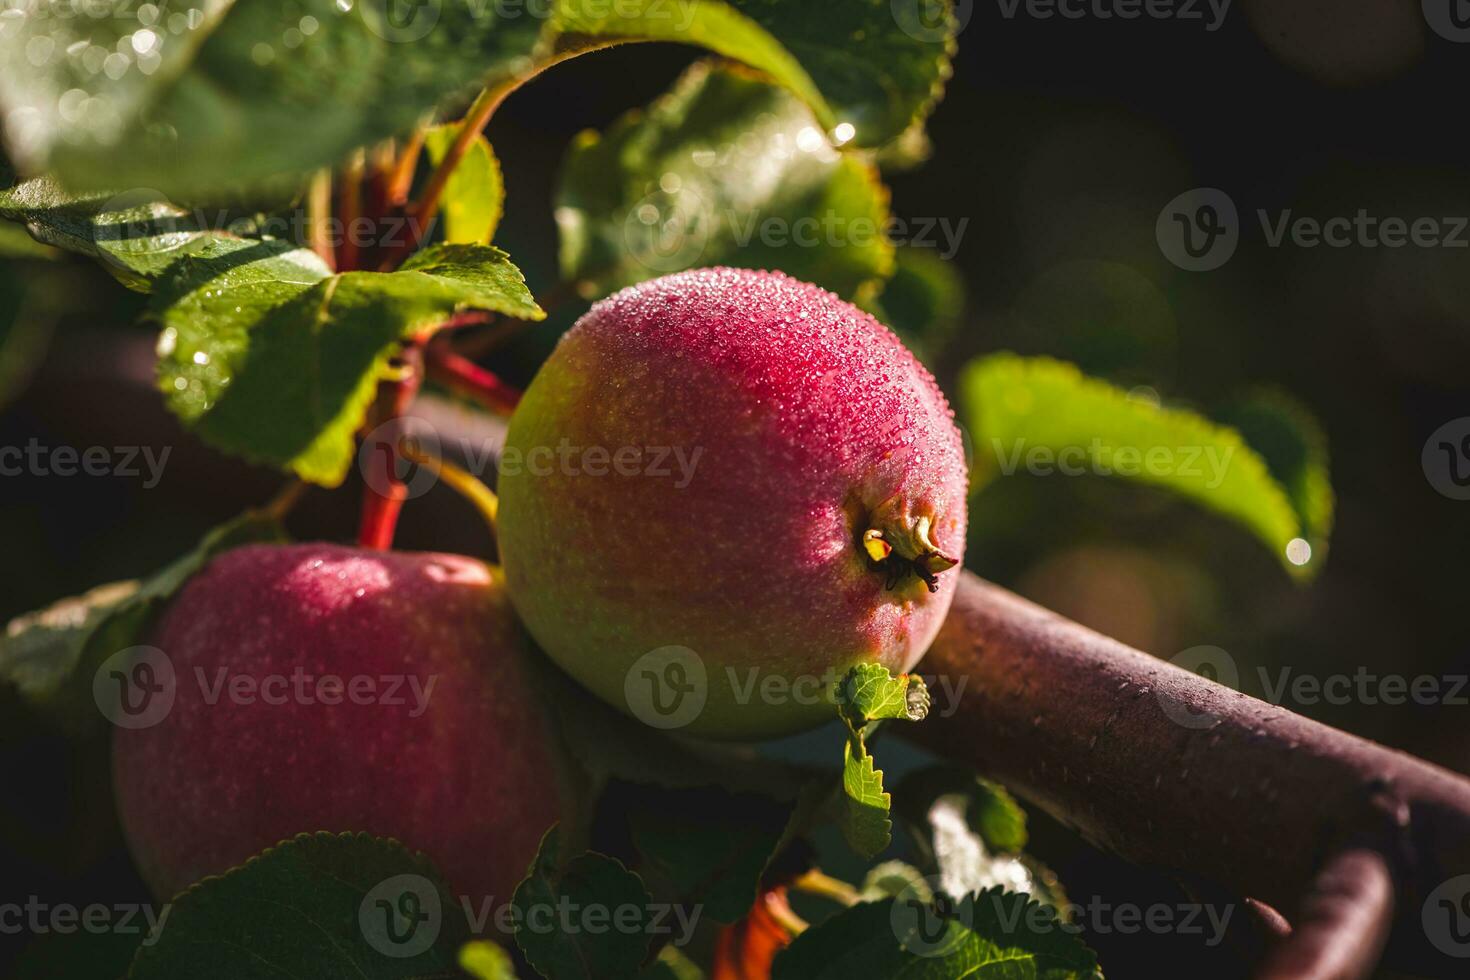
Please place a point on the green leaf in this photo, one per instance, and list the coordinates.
(276, 362)
(486, 961)
(137, 235)
(235, 95)
(724, 169)
(319, 905)
(870, 692)
(475, 193)
(867, 694)
(1294, 446)
(51, 655)
(991, 936)
(871, 64)
(922, 302)
(594, 884)
(1016, 406)
(713, 846)
(864, 818)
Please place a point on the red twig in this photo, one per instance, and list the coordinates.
(466, 378)
(349, 209)
(383, 491)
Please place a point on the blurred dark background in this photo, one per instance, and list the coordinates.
(1058, 143)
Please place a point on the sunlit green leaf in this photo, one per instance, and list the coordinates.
(1295, 450)
(277, 361)
(231, 95)
(473, 198)
(872, 65)
(725, 169)
(1045, 416)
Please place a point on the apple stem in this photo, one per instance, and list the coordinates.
(466, 378)
(815, 882)
(899, 540)
(467, 485)
(284, 501)
(380, 509)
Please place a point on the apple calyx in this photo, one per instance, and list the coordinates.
(899, 541)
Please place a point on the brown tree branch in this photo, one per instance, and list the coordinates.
(1167, 769)
(1343, 925)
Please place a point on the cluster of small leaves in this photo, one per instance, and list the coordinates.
(233, 101)
(276, 359)
(868, 694)
(196, 102)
